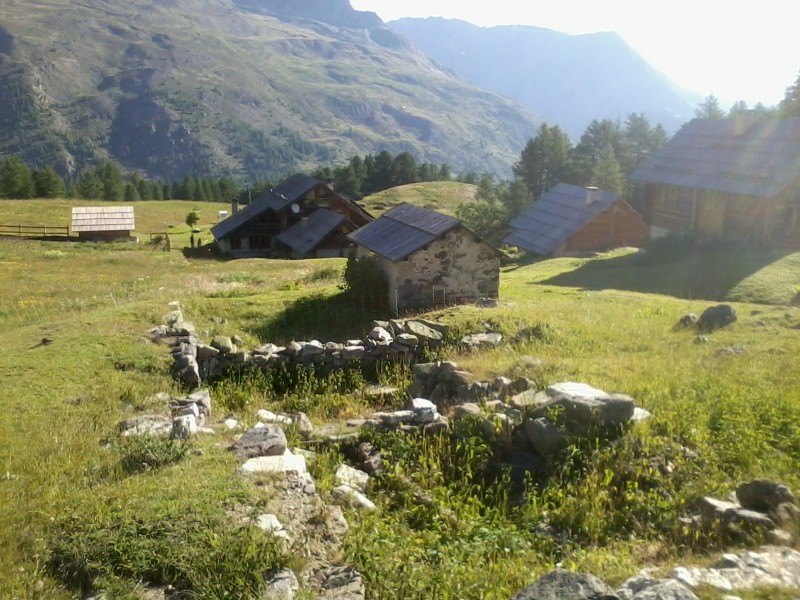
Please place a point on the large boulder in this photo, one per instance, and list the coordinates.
(764, 496)
(563, 585)
(716, 317)
(269, 440)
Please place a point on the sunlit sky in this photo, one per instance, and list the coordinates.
(734, 50)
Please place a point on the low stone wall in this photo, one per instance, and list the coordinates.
(392, 341)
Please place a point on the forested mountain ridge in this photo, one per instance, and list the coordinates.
(251, 89)
(569, 80)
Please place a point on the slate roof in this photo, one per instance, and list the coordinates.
(403, 230)
(276, 200)
(303, 236)
(743, 155)
(102, 218)
(555, 217)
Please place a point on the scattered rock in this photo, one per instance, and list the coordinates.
(687, 321)
(716, 317)
(764, 496)
(563, 585)
(261, 441)
(280, 585)
(145, 425)
(348, 495)
(275, 464)
(356, 479)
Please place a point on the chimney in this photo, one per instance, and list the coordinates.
(304, 223)
(234, 206)
(330, 183)
(592, 194)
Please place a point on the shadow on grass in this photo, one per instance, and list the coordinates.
(206, 252)
(324, 318)
(705, 274)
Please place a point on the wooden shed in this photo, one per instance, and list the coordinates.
(574, 220)
(430, 259)
(737, 177)
(103, 223)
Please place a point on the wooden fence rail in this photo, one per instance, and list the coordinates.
(34, 230)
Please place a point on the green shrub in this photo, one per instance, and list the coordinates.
(144, 452)
(366, 281)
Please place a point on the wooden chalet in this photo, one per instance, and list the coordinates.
(573, 220)
(103, 223)
(301, 218)
(737, 177)
(430, 259)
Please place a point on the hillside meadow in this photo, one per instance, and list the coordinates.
(75, 517)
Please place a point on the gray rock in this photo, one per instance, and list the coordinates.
(205, 353)
(261, 441)
(770, 566)
(563, 585)
(184, 427)
(397, 417)
(203, 400)
(348, 495)
(763, 495)
(668, 589)
(587, 409)
(423, 332)
(529, 398)
(145, 425)
(280, 585)
(341, 583)
(303, 424)
(468, 408)
(293, 348)
(407, 339)
(312, 348)
(223, 343)
(347, 475)
(481, 340)
(546, 438)
(379, 334)
(716, 317)
(286, 463)
(687, 321)
(187, 371)
(353, 352)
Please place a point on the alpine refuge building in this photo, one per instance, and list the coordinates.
(301, 218)
(573, 220)
(103, 223)
(737, 177)
(430, 259)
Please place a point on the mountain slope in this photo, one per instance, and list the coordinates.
(252, 89)
(568, 79)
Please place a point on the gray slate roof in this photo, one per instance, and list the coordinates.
(403, 230)
(555, 217)
(102, 218)
(276, 200)
(303, 236)
(747, 155)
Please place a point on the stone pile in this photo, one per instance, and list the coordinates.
(760, 509)
(712, 318)
(189, 415)
(767, 567)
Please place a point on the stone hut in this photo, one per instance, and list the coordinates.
(430, 259)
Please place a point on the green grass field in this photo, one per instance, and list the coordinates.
(443, 196)
(67, 501)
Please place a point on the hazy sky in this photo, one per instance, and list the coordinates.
(734, 50)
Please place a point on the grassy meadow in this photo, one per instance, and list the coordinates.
(443, 196)
(77, 516)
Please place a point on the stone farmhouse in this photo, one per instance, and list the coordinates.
(430, 259)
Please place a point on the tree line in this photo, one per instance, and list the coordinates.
(361, 176)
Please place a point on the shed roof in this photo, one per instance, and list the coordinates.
(556, 216)
(303, 236)
(103, 218)
(744, 155)
(403, 230)
(276, 200)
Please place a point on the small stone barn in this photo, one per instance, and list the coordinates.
(430, 259)
(301, 218)
(737, 177)
(573, 220)
(103, 223)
